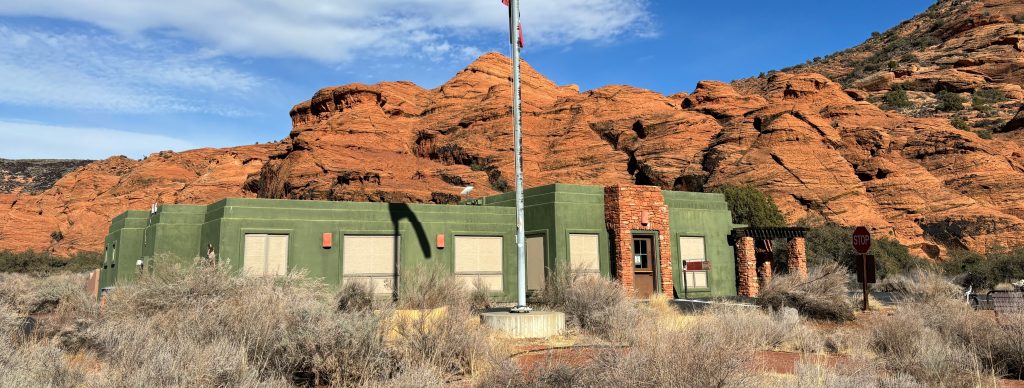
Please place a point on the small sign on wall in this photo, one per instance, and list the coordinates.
(328, 239)
(698, 266)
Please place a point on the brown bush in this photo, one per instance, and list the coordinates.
(594, 304)
(35, 363)
(910, 348)
(206, 327)
(355, 296)
(855, 374)
(431, 287)
(920, 286)
(718, 351)
(823, 295)
(1009, 350)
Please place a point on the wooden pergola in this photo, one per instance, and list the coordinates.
(754, 255)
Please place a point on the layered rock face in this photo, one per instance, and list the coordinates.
(973, 49)
(820, 145)
(74, 214)
(801, 138)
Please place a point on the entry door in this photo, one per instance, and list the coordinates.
(535, 263)
(643, 266)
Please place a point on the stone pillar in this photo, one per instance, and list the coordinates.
(624, 207)
(746, 267)
(764, 274)
(796, 249)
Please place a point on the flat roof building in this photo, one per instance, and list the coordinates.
(653, 241)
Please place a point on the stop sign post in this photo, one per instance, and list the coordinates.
(861, 244)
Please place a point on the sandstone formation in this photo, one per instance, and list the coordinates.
(974, 48)
(800, 137)
(74, 214)
(820, 145)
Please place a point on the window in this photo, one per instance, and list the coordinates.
(478, 257)
(694, 262)
(265, 254)
(370, 259)
(535, 263)
(584, 253)
(642, 254)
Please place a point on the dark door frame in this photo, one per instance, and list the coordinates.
(655, 254)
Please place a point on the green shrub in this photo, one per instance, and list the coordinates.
(751, 206)
(46, 263)
(985, 271)
(959, 123)
(984, 134)
(982, 99)
(832, 242)
(989, 123)
(897, 99)
(949, 101)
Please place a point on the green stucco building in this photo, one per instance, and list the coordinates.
(653, 241)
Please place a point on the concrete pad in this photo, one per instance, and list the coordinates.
(536, 324)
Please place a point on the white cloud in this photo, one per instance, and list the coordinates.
(27, 140)
(98, 71)
(338, 31)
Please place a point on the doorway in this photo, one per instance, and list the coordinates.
(643, 266)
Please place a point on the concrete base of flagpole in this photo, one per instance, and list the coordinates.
(536, 324)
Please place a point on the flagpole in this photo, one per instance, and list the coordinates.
(518, 136)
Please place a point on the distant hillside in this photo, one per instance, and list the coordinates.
(34, 175)
(959, 60)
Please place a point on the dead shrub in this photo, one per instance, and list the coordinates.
(37, 363)
(594, 304)
(431, 287)
(41, 294)
(856, 374)
(355, 296)
(712, 358)
(920, 286)
(1009, 350)
(480, 295)
(762, 330)
(208, 326)
(452, 340)
(910, 348)
(823, 295)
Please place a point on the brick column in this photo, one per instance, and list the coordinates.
(624, 206)
(796, 249)
(764, 274)
(746, 270)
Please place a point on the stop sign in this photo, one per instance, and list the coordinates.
(861, 239)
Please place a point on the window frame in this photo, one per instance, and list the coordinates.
(470, 276)
(394, 278)
(689, 283)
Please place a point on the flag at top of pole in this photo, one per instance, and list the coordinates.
(514, 31)
(519, 26)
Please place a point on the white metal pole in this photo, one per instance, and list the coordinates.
(517, 134)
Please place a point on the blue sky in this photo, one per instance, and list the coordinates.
(88, 79)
